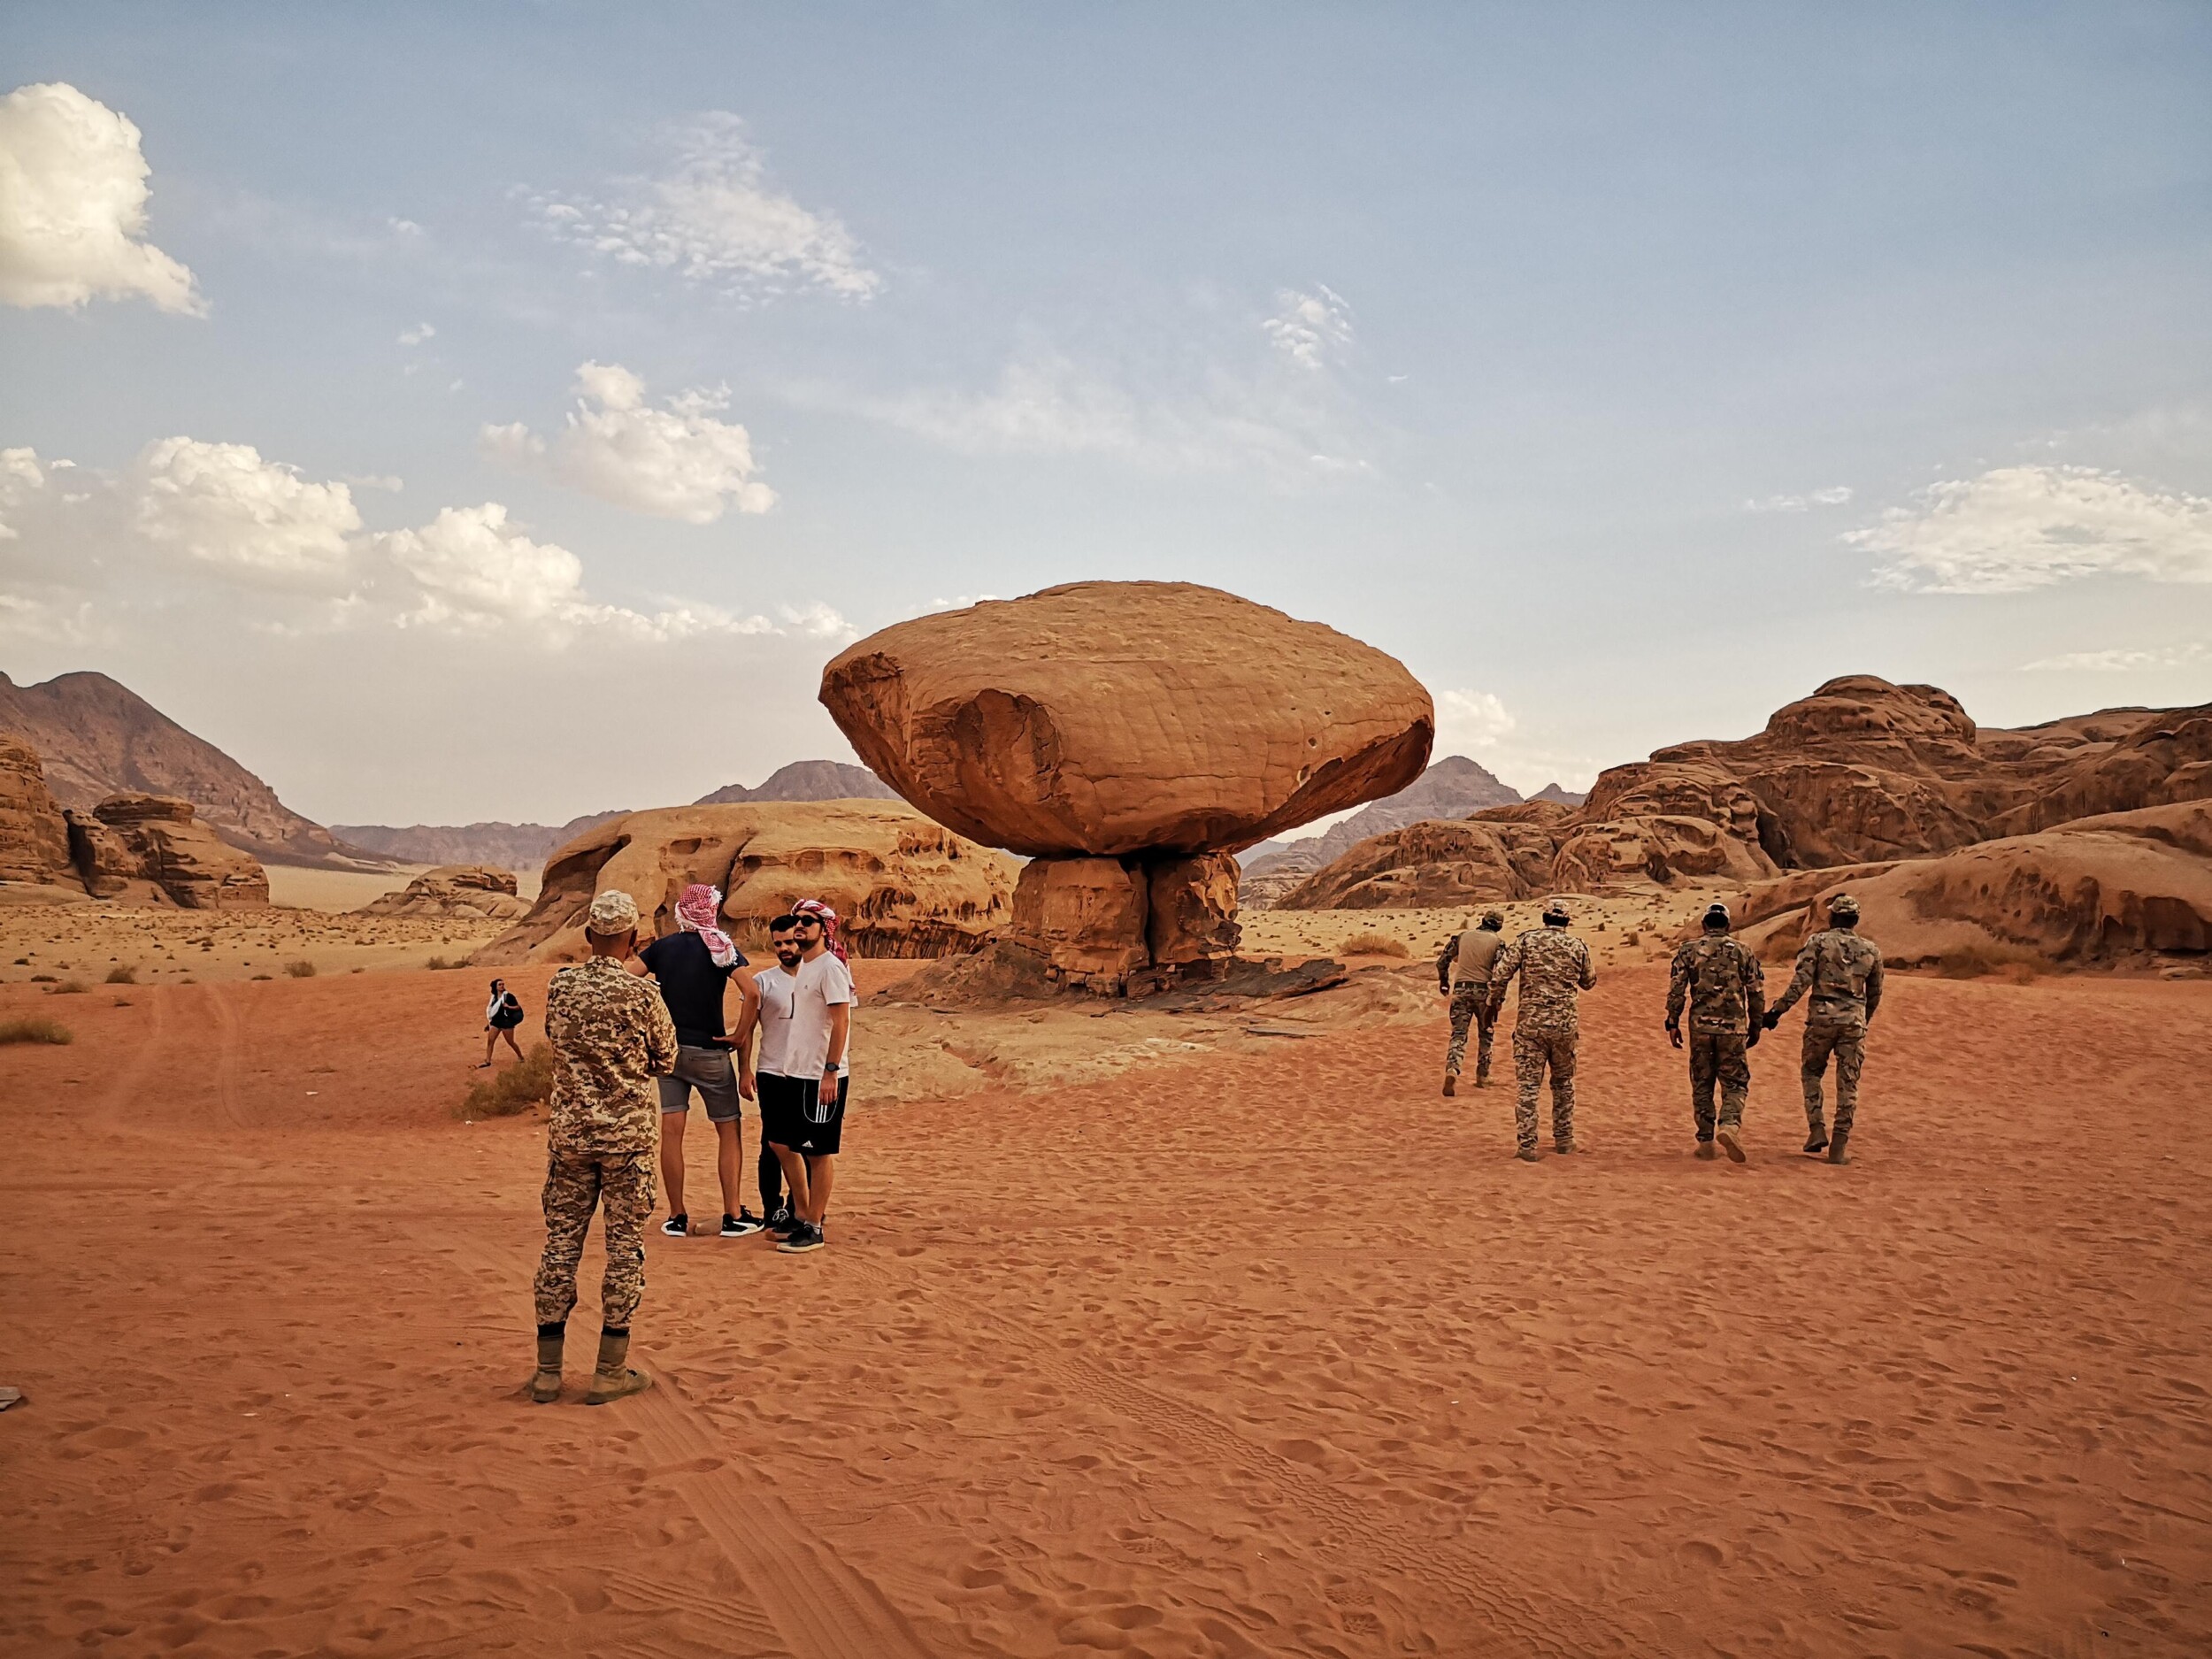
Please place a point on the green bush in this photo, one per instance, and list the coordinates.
(517, 1089)
(300, 970)
(34, 1028)
(124, 975)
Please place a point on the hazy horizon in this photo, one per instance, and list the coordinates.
(503, 414)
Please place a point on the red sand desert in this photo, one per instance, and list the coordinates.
(1260, 1353)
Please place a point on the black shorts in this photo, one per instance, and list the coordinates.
(791, 1114)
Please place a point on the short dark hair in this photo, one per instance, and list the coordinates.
(783, 923)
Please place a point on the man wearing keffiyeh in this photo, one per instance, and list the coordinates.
(695, 965)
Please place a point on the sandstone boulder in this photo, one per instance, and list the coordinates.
(1431, 863)
(456, 892)
(33, 835)
(902, 885)
(1103, 719)
(152, 848)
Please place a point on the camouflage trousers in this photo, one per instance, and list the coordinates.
(620, 1183)
(1718, 1056)
(1532, 1052)
(1470, 1006)
(1847, 1043)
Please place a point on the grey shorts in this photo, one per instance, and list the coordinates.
(711, 1072)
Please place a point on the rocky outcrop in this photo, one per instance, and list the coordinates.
(902, 885)
(2116, 890)
(1127, 729)
(1432, 863)
(1453, 787)
(457, 893)
(152, 850)
(33, 835)
(807, 781)
(100, 739)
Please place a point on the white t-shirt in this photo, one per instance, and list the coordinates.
(794, 1016)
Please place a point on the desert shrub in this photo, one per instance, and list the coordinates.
(440, 964)
(517, 1089)
(1373, 945)
(265, 976)
(34, 1028)
(124, 975)
(67, 987)
(301, 970)
(43, 978)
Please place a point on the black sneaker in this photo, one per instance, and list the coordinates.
(741, 1224)
(782, 1223)
(677, 1226)
(805, 1236)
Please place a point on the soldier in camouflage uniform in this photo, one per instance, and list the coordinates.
(611, 1037)
(1554, 968)
(1725, 989)
(1474, 952)
(1843, 970)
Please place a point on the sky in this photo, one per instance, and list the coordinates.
(503, 411)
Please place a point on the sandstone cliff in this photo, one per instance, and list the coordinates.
(152, 850)
(33, 835)
(467, 892)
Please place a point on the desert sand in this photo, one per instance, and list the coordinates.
(1260, 1346)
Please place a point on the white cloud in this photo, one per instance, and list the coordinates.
(816, 621)
(416, 335)
(1310, 328)
(73, 207)
(679, 462)
(2020, 527)
(1471, 719)
(1479, 724)
(1834, 496)
(716, 219)
(470, 566)
(2122, 660)
(223, 504)
(21, 477)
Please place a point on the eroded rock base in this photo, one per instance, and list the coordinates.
(1125, 926)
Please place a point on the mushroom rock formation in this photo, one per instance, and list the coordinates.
(460, 892)
(1141, 725)
(901, 885)
(33, 835)
(151, 848)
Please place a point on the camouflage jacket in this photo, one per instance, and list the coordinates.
(611, 1037)
(1843, 970)
(1476, 952)
(1722, 983)
(1555, 967)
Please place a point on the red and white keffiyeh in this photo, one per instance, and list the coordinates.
(822, 913)
(700, 911)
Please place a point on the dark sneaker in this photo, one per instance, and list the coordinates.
(804, 1237)
(1732, 1142)
(782, 1222)
(1705, 1149)
(743, 1225)
(677, 1226)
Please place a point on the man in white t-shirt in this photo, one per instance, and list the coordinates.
(805, 1021)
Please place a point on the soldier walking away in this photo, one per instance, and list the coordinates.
(612, 1038)
(1554, 969)
(1473, 953)
(1842, 970)
(1725, 989)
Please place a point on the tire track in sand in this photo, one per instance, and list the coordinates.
(141, 1060)
(821, 1608)
(230, 1038)
(1559, 1630)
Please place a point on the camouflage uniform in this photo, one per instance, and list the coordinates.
(1843, 970)
(1553, 966)
(611, 1037)
(1725, 989)
(1475, 952)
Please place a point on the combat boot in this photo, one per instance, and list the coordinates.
(1731, 1137)
(1707, 1150)
(1451, 1083)
(614, 1379)
(1838, 1152)
(545, 1388)
(1817, 1137)
(1482, 1076)
(1527, 1155)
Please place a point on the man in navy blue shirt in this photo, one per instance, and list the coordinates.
(695, 966)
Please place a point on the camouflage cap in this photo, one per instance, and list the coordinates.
(1555, 909)
(1716, 915)
(1494, 918)
(613, 911)
(1843, 904)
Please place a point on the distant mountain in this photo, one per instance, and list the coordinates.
(98, 737)
(1453, 787)
(524, 847)
(807, 780)
(1565, 797)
